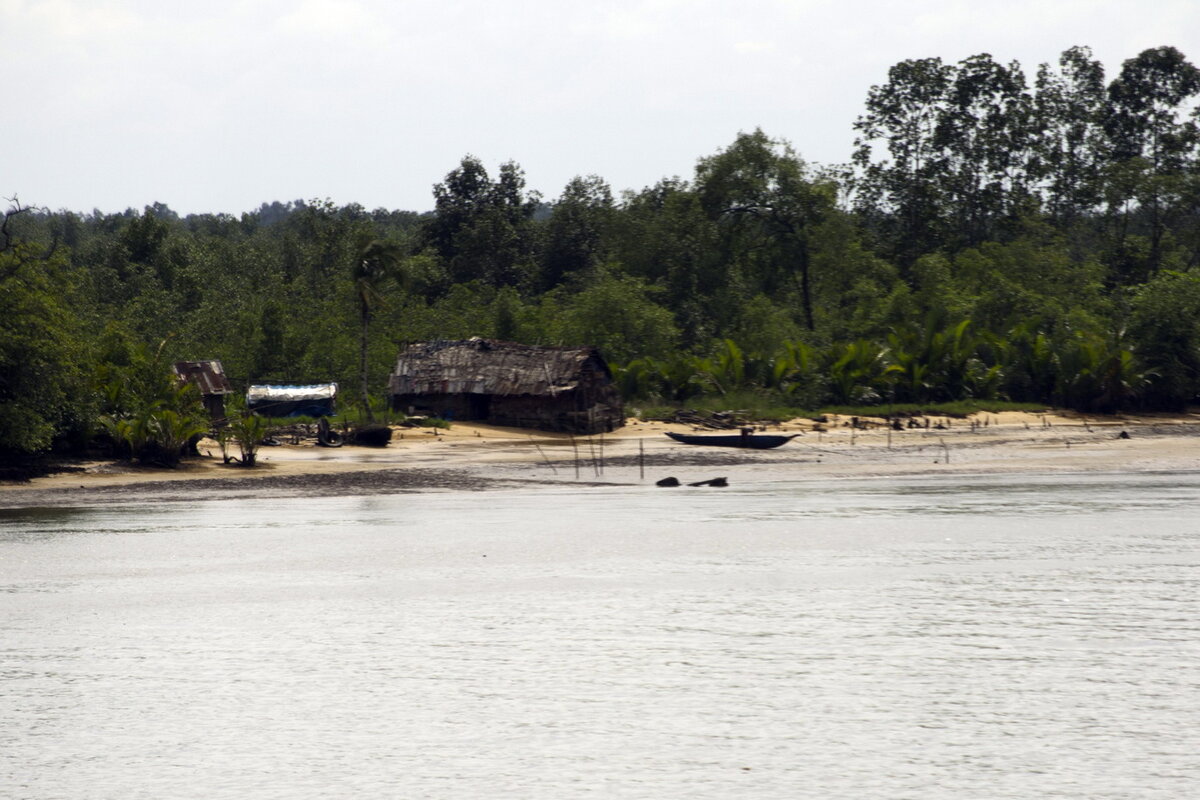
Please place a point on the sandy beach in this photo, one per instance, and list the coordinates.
(471, 456)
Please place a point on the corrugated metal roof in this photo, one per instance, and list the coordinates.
(486, 366)
(208, 376)
(274, 393)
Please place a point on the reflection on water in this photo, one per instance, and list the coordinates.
(926, 638)
(43, 520)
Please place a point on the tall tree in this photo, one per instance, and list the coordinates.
(1152, 144)
(375, 268)
(767, 193)
(483, 229)
(578, 232)
(985, 136)
(902, 173)
(663, 235)
(1069, 109)
(959, 142)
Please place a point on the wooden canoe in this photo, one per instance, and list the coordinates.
(750, 440)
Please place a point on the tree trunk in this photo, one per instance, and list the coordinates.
(362, 363)
(806, 288)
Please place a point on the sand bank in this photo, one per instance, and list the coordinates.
(477, 457)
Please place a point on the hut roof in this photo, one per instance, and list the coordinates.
(312, 400)
(266, 392)
(487, 366)
(208, 376)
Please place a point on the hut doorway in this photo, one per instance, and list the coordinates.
(481, 405)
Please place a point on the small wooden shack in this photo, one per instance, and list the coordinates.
(209, 378)
(566, 389)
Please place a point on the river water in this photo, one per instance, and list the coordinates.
(1004, 637)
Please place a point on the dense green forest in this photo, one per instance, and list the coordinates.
(996, 236)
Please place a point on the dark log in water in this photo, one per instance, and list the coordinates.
(711, 482)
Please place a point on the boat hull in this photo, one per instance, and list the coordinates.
(748, 441)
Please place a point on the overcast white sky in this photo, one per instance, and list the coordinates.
(219, 106)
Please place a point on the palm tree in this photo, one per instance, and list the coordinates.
(376, 267)
(857, 369)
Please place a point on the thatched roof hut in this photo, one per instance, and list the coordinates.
(549, 388)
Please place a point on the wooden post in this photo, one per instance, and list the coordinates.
(543, 454)
(891, 400)
(642, 459)
(592, 455)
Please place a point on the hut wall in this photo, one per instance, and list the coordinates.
(214, 404)
(446, 406)
(568, 412)
(543, 413)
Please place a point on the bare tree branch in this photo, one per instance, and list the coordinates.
(16, 209)
(7, 242)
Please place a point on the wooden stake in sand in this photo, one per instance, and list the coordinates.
(575, 448)
(549, 463)
(592, 453)
(642, 459)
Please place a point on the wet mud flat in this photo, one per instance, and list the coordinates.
(490, 466)
(364, 482)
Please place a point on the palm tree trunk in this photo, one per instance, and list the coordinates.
(365, 316)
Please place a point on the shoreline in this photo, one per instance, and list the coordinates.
(474, 457)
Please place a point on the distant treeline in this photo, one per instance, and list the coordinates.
(995, 236)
